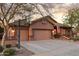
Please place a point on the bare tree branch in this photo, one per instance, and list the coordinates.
(7, 12)
(35, 5)
(13, 13)
(2, 22)
(2, 10)
(0, 19)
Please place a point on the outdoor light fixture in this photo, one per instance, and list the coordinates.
(53, 31)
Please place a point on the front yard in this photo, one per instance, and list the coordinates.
(18, 52)
(53, 47)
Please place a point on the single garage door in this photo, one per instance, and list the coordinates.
(23, 35)
(42, 34)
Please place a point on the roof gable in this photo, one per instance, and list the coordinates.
(24, 22)
(47, 18)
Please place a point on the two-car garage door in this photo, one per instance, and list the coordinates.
(37, 35)
(42, 34)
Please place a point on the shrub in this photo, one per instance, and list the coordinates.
(75, 38)
(67, 35)
(9, 52)
(57, 35)
(1, 49)
(8, 46)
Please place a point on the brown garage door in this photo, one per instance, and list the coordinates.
(23, 35)
(42, 34)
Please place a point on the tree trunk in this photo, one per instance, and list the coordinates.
(4, 36)
(71, 31)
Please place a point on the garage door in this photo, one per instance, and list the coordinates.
(42, 34)
(23, 35)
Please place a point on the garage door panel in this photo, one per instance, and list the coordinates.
(42, 34)
(23, 35)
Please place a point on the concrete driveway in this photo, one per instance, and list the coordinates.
(52, 47)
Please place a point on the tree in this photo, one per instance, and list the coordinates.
(9, 11)
(72, 18)
(77, 27)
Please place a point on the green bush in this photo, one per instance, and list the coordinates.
(57, 35)
(75, 38)
(9, 52)
(1, 49)
(8, 46)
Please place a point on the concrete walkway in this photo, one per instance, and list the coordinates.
(52, 47)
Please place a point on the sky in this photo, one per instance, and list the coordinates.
(58, 10)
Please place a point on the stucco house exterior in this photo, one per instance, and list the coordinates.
(40, 29)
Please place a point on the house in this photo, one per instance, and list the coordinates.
(40, 29)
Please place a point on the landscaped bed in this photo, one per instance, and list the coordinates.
(16, 52)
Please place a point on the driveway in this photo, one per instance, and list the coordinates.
(52, 47)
